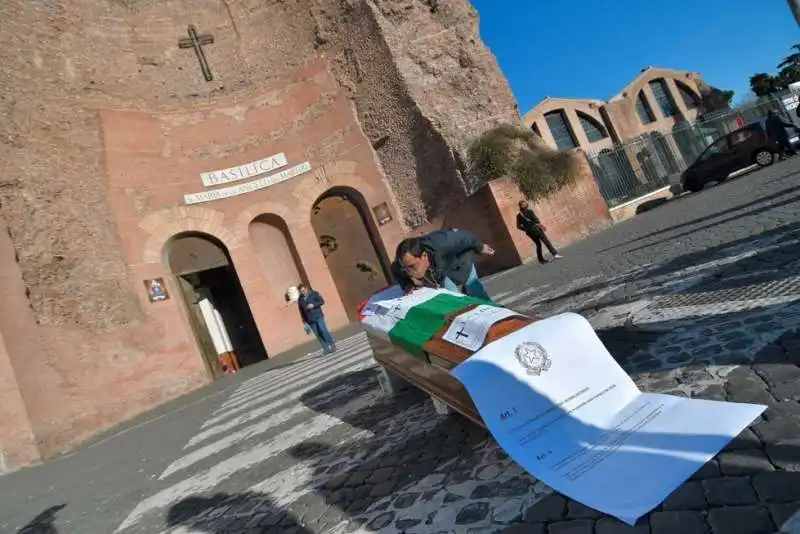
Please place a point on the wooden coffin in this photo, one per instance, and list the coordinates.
(433, 376)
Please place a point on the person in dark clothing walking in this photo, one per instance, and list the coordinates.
(776, 130)
(441, 259)
(310, 305)
(528, 222)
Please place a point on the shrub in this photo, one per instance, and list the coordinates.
(515, 152)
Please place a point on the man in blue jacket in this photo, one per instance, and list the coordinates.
(310, 305)
(441, 259)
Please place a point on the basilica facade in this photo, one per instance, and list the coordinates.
(161, 157)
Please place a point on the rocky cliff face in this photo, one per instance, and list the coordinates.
(421, 82)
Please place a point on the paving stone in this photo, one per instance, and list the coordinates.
(551, 508)
(406, 500)
(741, 520)
(609, 525)
(729, 491)
(343, 495)
(777, 487)
(709, 470)
(536, 528)
(689, 496)
(515, 487)
(452, 497)
(576, 510)
(403, 524)
(472, 513)
(362, 492)
(458, 476)
(482, 491)
(784, 456)
(777, 429)
(508, 511)
(577, 526)
(381, 521)
(381, 475)
(747, 439)
(678, 523)
(744, 462)
(336, 481)
(489, 472)
(781, 512)
(383, 489)
(357, 478)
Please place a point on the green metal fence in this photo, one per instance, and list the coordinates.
(642, 165)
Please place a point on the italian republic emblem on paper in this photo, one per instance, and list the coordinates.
(533, 358)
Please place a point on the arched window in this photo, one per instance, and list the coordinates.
(663, 97)
(560, 129)
(643, 109)
(689, 97)
(535, 128)
(594, 130)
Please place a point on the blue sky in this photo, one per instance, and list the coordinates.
(593, 48)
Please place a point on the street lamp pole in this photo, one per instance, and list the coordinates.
(794, 5)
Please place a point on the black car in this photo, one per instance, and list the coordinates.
(737, 150)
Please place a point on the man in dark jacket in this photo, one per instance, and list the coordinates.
(528, 222)
(776, 130)
(310, 305)
(441, 259)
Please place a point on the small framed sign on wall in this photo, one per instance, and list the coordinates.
(382, 213)
(156, 289)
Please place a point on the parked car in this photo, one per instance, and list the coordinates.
(737, 150)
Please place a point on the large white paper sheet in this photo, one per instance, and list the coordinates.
(570, 416)
(469, 329)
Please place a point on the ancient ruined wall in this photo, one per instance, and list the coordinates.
(423, 84)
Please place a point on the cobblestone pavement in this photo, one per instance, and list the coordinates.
(700, 297)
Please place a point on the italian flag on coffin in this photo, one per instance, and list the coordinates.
(410, 321)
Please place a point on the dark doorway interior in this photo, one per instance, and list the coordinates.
(203, 270)
(221, 286)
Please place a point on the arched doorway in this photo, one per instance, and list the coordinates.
(351, 245)
(218, 311)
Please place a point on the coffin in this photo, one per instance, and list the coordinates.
(431, 372)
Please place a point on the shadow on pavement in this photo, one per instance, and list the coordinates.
(44, 522)
(217, 514)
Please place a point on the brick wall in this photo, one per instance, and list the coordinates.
(570, 215)
(481, 215)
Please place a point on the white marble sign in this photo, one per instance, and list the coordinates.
(240, 189)
(243, 172)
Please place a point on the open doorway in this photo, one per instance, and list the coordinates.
(216, 305)
(351, 246)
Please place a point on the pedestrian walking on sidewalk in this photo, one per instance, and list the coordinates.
(528, 222)
(310, 305)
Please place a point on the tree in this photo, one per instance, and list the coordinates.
(789, 68)
(763, 84)
(516, 152)
(713, 99)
